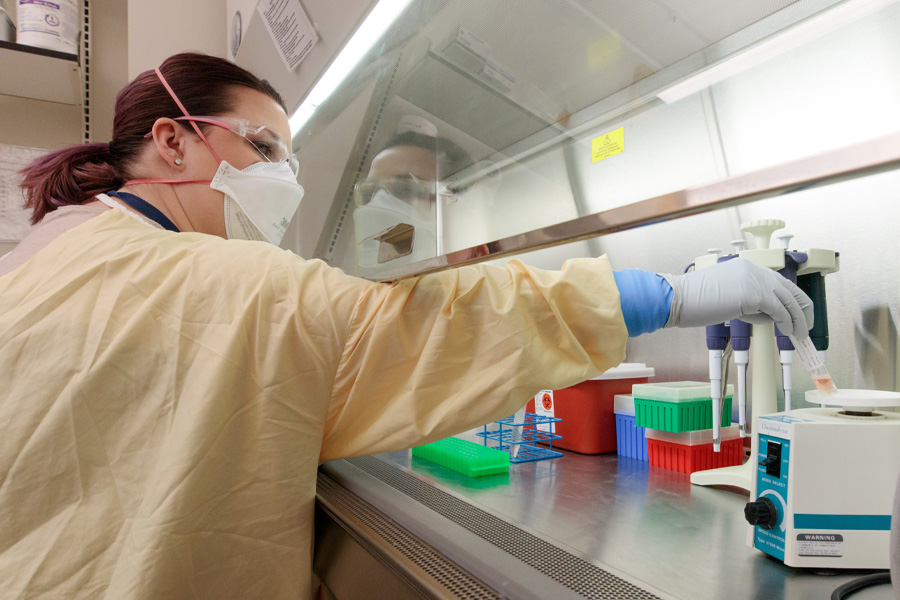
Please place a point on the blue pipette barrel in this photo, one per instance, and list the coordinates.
(717, 336)
(740, 334)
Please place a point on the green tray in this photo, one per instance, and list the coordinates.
(468, 458)
(678, 417)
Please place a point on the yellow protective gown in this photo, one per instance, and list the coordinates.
(167, 398)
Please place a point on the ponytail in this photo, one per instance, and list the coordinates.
(73, 175)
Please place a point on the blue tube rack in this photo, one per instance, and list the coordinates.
(503, 438)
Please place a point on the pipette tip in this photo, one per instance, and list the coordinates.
(810, 357)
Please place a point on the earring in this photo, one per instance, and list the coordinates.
(178, 161)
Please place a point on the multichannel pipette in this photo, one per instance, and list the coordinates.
(810, 357)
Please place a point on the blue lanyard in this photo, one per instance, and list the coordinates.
(145, 208)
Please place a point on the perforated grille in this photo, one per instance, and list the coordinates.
(454, 579)
(570, 571)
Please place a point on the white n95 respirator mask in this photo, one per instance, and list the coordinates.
(260, 201)
(391, 232)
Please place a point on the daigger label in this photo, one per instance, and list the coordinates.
(820, 544)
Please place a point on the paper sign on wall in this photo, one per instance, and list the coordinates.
(290, 28)
(608, 144)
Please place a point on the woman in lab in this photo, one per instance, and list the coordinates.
(169, 388)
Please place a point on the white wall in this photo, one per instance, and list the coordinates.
(158, 29)
(839, 89)
(109, 63)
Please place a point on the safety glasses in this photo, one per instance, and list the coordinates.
(407, 188)
(265, 141)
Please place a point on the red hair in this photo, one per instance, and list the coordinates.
(76, 174)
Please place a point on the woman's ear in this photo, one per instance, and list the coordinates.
(169, 140)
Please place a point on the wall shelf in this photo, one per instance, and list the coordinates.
(39, 74)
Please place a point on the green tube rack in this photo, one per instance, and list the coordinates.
(468, 458)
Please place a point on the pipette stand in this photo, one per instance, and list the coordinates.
(763, 355)
(763, 351)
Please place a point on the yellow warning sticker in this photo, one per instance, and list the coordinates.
(608, 144)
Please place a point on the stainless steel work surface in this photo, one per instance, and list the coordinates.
(646, 522)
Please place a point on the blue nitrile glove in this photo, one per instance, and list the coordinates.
(646, 300)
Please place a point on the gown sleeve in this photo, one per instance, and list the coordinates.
(432, 356)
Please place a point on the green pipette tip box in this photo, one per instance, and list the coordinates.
(468, 458)
(678, 406)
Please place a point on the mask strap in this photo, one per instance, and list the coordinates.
(197, 129)
(186, 113)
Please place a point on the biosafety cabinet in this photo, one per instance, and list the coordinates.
(647, 130)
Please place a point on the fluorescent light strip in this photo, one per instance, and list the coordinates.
(382, 16)
(804, 32)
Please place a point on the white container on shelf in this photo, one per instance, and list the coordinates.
(49, 25)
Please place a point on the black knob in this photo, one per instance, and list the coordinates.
(762, 513)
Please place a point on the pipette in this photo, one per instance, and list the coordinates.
(740, 342)
(792, 262)
(810, 357)
(717, 343)
(717, 337)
